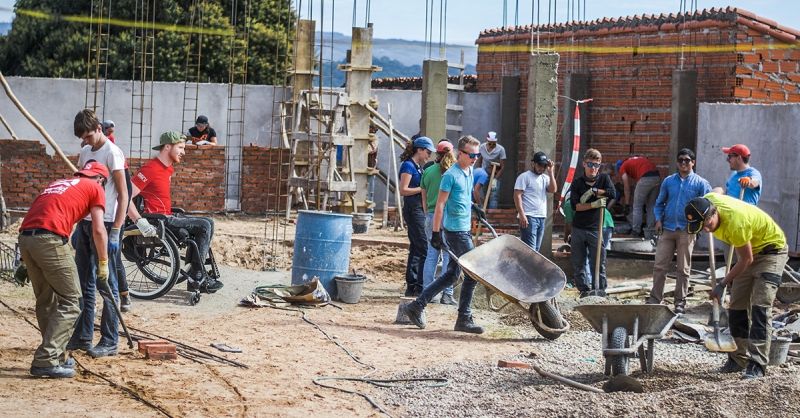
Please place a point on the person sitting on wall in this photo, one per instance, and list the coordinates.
(152, 182)
(202, 133)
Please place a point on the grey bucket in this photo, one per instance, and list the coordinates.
(349, 287)
(361, 222)
(778, 350)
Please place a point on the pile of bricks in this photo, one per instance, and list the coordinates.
(158, 350)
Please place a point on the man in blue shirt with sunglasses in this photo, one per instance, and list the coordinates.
(588, 197)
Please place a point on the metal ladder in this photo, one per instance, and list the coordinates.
(455, 109)
(192, 69)
(237, 85)
(143, 73)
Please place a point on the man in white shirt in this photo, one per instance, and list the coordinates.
(492, 152)
(530, 199)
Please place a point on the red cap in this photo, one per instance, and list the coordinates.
(738, 149)
(444, 146)
(92, 169)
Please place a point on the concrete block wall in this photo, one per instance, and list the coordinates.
(264, 173)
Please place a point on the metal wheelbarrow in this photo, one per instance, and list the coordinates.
(510, 268)
(625, 329)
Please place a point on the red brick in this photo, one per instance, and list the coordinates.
(143, 344)
(513, 364)
(770, 67)
(166, 351)
(739, 92)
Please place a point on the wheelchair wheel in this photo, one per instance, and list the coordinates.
(151, 265)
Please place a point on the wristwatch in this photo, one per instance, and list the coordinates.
(594, 190)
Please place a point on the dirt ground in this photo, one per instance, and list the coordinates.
(284, 354)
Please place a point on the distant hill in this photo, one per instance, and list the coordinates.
(397, 57)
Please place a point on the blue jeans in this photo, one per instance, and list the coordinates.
(459, 243)
(414, 217)
(533, 234)
(86, 261)
(432, 259)
(584, 250)
(494, 193)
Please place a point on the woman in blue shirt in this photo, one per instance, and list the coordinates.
(416, 153)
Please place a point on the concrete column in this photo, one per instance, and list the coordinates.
(509, 138)
(542, 118)
(683, 132)
(434, 99)
(359, 87)
(303, 74)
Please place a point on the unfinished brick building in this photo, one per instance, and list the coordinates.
(646, 75)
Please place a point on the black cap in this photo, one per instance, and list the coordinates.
(696, 211)
(201, 119)
(540, 158)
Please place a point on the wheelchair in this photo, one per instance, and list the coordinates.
(153, 264)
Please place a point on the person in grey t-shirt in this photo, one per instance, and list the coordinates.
(530, 199)
(492, 152)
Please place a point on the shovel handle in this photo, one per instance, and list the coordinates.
(105, 292)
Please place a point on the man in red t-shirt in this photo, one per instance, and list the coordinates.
(152, 182)
(645, 174)
(51, 265)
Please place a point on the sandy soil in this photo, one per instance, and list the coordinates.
(284, 354)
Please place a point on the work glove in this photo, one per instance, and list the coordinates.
(21, 275)
(716, 293)
(479, 212)
(587, 195)
(113, 240)
(745, 181)
(599, 203)
(102, 273)
(436, 240)
(146, 228)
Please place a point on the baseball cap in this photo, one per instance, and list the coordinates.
(695, 212)
(738, 149)
(444, 146)
(92, 169)
(492, 136)
(201, 119)
(540, 158)
(108, 123)
(169, 137)
(424, 142)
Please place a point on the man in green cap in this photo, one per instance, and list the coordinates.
(152, 182)
(761, 254)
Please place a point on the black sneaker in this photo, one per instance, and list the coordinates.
(448, 300)
(79, 346)
(680, 307)
(464, 323)
(102, 351)
(413, 291)
(415, 313)
(125, 303)
(52, 371)
(753, 370)
(731, 366)
(211, 286)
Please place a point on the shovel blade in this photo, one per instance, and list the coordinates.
(723, 344)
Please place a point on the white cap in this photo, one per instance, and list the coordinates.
(492, 136)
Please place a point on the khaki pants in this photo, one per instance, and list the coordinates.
(681, 244)
(749, 313)
(54, 277)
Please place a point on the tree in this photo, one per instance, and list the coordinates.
(55, 47)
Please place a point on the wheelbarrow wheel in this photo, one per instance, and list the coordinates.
(619, 363)
(551, 317)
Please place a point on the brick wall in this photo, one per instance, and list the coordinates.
(632, 91)
(264, 173)
(197, 185)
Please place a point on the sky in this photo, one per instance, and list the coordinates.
(405, 19)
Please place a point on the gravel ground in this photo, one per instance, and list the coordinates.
(684, 382)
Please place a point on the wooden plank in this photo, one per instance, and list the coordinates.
(454, 107)
(457, 87)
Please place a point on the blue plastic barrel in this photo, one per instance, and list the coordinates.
(321, 247)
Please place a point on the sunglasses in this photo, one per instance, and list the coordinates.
(731, 156)
(684, 160)
(472, 155)
(593, 165)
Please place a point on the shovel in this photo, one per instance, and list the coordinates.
(716, 342)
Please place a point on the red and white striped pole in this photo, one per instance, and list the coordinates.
(576, 149)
